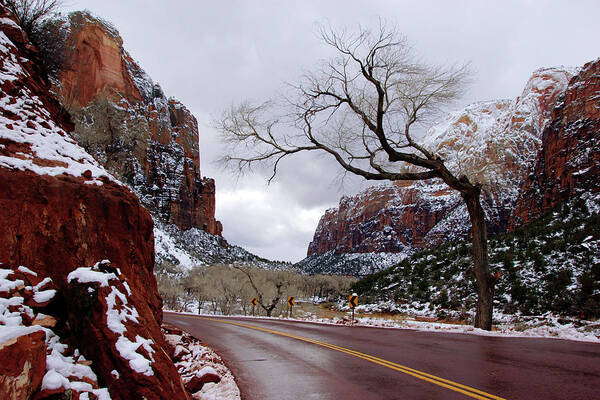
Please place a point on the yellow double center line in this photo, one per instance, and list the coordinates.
(436, 380)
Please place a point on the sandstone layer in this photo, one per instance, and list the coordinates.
(23, 365)
(387, 218)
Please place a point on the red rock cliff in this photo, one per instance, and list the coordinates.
(62, 211)
(125, 121)
(386, 218)
(568, 162)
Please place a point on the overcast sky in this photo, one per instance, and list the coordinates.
(210, 54)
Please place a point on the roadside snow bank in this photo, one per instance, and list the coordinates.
(545, 326)
(203, 372)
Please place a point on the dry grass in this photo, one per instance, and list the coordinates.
(385, 316)
(325, 311)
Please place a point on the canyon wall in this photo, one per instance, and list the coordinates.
(568, 163)
(126, 122)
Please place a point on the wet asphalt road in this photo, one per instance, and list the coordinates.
(271, 366)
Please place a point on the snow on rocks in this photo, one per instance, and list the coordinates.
(495, 143)
(356, 264)
(205, 375)
(27, 336)
(120, 314)
(203, 372)
(25, 333)
(30, 138)
(92, 274)
(194, 247)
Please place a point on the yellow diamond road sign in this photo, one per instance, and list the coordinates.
(353, 300)
(253, 301)
(291, 301)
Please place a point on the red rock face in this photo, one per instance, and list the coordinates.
(94, 67)
(56, 224)
(569, 160)
(23, 366)
(392, 218)
(127, 123)
(60, 212)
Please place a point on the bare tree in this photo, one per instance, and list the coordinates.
(31, 13)
(269, 286)
(328, 287)
(196, 285)
(365, 108)
(171, 292)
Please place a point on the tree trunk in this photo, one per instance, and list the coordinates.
(483, 276)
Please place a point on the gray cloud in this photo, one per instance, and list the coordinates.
(212, 54)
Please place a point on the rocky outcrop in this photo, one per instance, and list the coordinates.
(104, 309)
(37, 363)
(126, 122)
(568, 163)
(55, 224)
(23, 365)
(493, 143)
(62, 212)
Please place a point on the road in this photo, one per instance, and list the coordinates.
(281, 360)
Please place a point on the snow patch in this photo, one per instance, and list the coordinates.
(63, 368)
(33, 128)
(26, 270)
(91, 274)
(194, 359)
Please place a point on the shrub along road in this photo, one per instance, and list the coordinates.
(279, 360)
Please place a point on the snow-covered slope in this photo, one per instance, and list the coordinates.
(495, 143)
(355, 264)
(30, 139)
(187, 249)
(550, 265)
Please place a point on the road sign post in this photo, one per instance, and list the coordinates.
(353, 301)
(291, 301)
(253, 302)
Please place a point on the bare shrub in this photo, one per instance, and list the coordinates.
(38, 19)
(30, 14)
